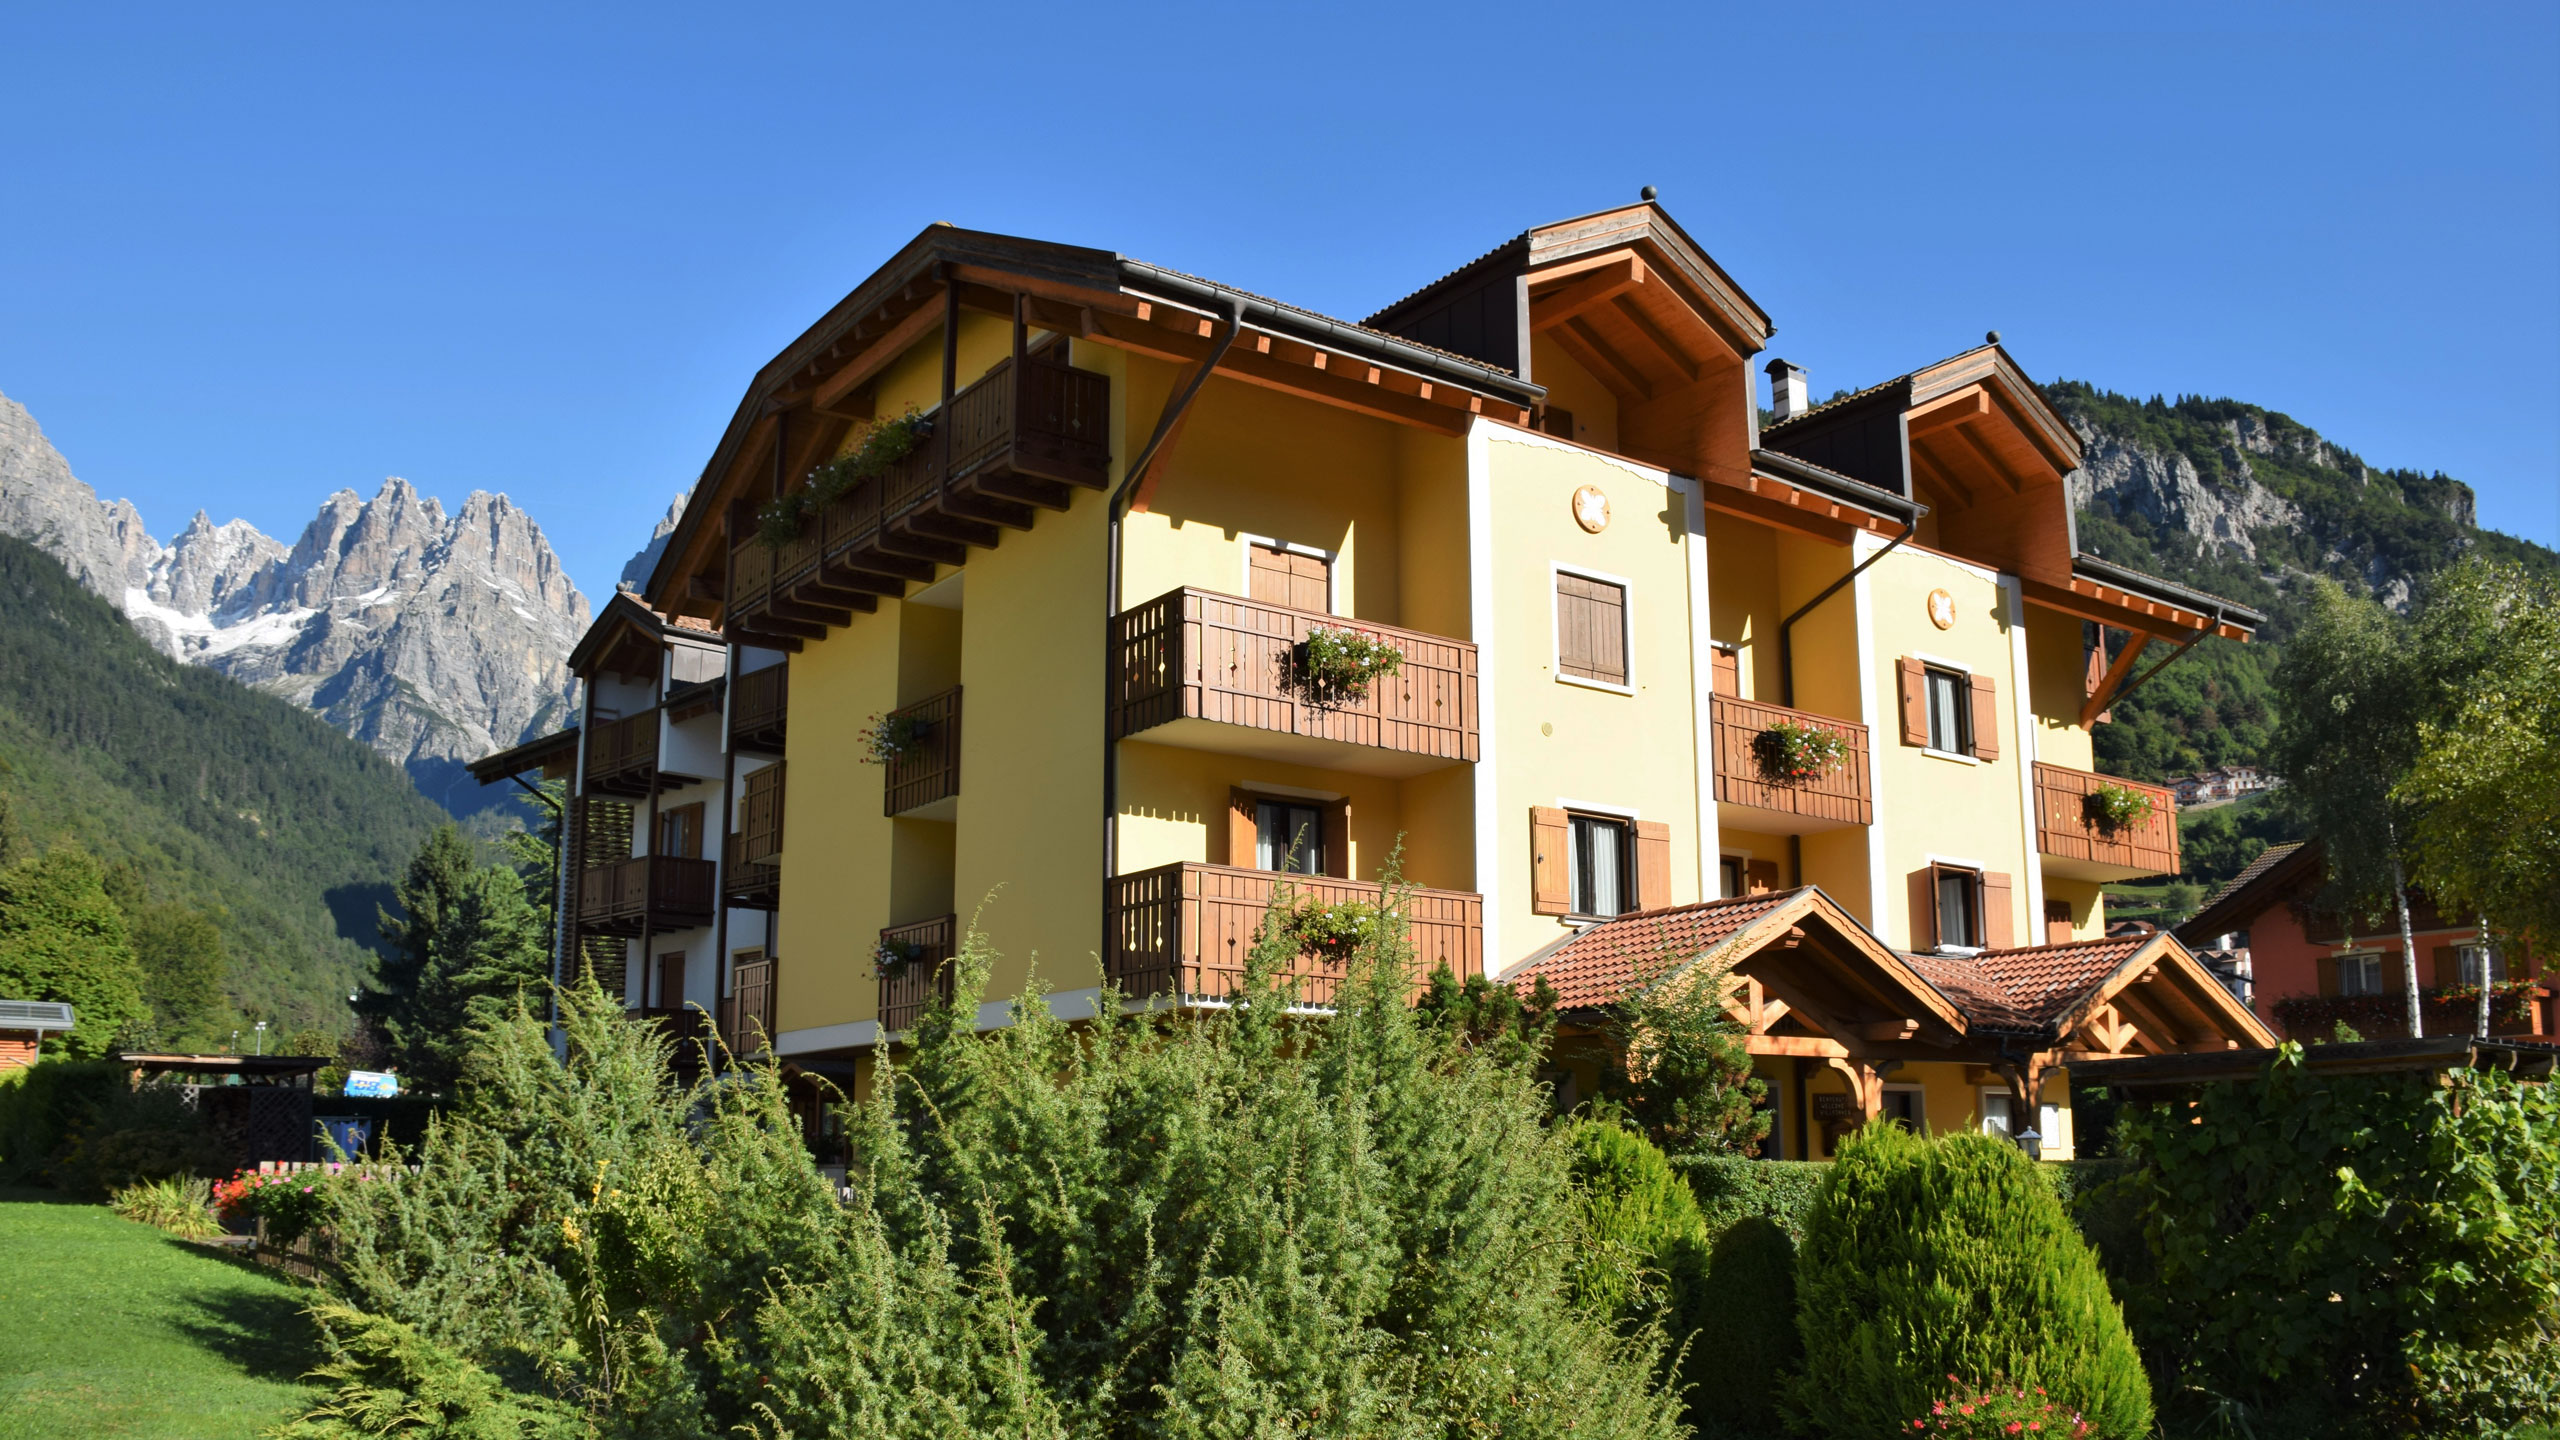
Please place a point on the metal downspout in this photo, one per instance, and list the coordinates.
(1786, 627)
(1118, 501)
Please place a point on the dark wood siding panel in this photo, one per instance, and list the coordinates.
(1728, 673)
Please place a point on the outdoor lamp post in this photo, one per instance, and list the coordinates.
(2031, 1142)
(262, 1037)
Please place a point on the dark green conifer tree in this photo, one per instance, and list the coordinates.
(61, 938)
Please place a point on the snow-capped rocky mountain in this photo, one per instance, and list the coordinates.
(434, 638)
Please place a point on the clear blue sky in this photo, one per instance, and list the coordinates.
(250, 255)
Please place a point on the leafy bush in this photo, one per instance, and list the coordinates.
(1925, 1258)
(79, 1126)
(389, 1379)
(1646, 1252)
(184, 1208)
(2113, 808)
(2365, 1255)
(1225, 1222)
(1732, 1188)
(1678, 1069)
(291, 1204)
(1745, 1343)
(1330, 932)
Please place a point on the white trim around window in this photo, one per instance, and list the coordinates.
(1626, 625)
(1332, 565)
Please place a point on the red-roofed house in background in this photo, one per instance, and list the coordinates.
(2311, 970)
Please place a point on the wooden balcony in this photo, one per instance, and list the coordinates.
(617, 898)
(1207, 671)
(684, 1025)
(924, 782)
(749, 884)
(1184, 931)
(1020, 440)
(1749, 797)
(2077, 847)
(908, 991)
(759, 705)
(622, 756)
(746, 1017)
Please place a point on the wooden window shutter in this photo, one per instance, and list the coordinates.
(1924, 907)
(1653, 864)
(2327, 974)
(1550, 877)
(2448, 966)
(1241, 829)
(1728, 673)
(1591, 629)
(1986, 717)
(1337, 839)
(1915, 701)
(1999, 930)
(1285, 577)
(1759, 877)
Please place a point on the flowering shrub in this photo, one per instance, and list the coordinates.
(1330, 932)
(2114, 808)
(1336, 665)
(1988, 1411)
(1792, 754)
(888, 739)
(882, 446)
(290, 1204)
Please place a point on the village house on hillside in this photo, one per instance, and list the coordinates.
(1147, 599)
(2231, 782)
(2313, 969)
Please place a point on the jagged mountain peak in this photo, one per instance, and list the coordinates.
(635, 571)
(435, 637)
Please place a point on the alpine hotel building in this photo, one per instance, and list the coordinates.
(1075, 612)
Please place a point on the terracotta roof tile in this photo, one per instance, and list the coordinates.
(1599, 965)
(2043, 982)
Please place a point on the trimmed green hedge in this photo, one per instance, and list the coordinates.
(1732, 1189)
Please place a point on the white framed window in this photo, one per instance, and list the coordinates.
(2000, 1111)
(1950, 710)
(1601, 851)
(1906, 1106)
(2360, 974)
(1594, 616)
(1959, 897)
(1288, 836)
(2480, 964)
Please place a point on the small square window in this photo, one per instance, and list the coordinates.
(1959, 909)
(1591, 629)
(1603, 860)
(2360, 974)
(1950, 711)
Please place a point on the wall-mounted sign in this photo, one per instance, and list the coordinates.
(1591, 509)
(371, 1082)
(1942, 609)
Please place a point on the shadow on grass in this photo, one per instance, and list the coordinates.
(262, 1331)
(35, 1195)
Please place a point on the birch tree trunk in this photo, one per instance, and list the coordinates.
(2408, 939)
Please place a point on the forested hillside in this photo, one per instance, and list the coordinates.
(2248, 503)
(204, 797)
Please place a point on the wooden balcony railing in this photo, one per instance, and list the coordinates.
(759, 704)
(1199, 655)
(1845, 796)
(1016, 441)
(1185, 930)
(746, 1017)
(749, 884)
(2066, 831)
(682, 1024)
(622, 754)
(929, 770)
(615, 898)
(907, 990)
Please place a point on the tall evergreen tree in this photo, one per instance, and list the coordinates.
(485, 960)
(1678, 1069)
(61, 938)
(429, 893)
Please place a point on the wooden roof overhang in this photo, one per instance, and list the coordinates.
(628, 640)
(2171, 1076)
(1812, 982)
(554, 755)
(2159, 1000)
(801, 405)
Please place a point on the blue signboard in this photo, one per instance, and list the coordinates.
(371, 1084)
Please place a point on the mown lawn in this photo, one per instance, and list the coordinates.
(114, 1329)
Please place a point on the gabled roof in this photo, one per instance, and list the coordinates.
(2044, 992)
(1983, 364)
(2274, 876)
(626, 615)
